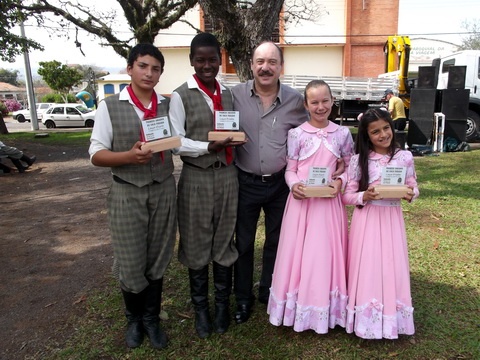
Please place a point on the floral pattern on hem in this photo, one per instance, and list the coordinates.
(289, 313)
(369, 322)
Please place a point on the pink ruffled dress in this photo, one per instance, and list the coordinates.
(309, 289)
(379, 299)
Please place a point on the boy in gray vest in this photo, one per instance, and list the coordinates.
(208, 185)
(141, 202)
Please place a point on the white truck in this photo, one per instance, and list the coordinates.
(470, 59)
(353, 95)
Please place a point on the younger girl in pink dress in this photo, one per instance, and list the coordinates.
(309, 289)
(379, 300)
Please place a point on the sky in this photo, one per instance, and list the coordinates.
(417, 18)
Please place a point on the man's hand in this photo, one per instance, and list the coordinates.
(216, 146)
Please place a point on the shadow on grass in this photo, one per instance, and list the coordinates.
(450, 174)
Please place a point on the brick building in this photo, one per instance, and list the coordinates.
(346, 39)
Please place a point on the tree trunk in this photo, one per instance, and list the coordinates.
(240, 28)
(3, 126)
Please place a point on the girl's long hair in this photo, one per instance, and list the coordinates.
(363, 145)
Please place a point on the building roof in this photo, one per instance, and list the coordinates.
(6, 87)
(116, 77)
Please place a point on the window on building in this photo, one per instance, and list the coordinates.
(108, 90)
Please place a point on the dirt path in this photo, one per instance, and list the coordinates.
(54, 247)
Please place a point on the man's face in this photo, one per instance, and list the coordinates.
(145, 72)
(266, 65)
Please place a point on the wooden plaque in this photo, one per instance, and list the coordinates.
(222, 135)
(392, 191)
(163, 144)
(319, 191)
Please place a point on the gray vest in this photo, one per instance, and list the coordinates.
(199, 121)
(126, 131)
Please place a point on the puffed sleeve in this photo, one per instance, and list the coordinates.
(351, 196)
(293, 150)
(411, 176)
(346, 151)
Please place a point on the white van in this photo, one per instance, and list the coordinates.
(470, 59)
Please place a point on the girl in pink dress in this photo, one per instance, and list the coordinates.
(379, 300)
(309, 289)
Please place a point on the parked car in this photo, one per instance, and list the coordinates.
(24, 114)
(75, 115)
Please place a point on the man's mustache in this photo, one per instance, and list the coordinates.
(266, 72)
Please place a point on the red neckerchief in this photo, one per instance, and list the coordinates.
(147, 113)
(217, 105)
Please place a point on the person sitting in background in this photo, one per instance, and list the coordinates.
(16, 156)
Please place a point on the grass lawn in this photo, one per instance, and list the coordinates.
(443, 228)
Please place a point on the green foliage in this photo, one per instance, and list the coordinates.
(57, 138)
(61, 78)
(9, 76)
(142, 20)
(472, 42)
(58, 98)
(3, 109)
(11, 43)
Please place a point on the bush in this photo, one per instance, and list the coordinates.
(3, 108)
(12, 105)
(57, 98)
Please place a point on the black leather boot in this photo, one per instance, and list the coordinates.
(28, 160)
(199, 295)
(222, 280)
(151, 314)
(19, 165)
(133, 312)
(5, 169)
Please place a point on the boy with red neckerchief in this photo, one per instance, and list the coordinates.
(141, 202)
(208, 185)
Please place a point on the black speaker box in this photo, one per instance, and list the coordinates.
(456, 129)
(456, 77)
(454, 103)
(422, 104)
(419, 132)
(427, 77)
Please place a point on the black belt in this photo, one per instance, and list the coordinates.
(216, 165)
(265, 178)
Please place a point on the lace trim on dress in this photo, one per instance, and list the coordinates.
(289, 313)
(389, 202)
(369, 322)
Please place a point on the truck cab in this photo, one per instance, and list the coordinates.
(470, 59)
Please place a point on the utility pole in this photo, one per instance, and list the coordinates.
(28, 79)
